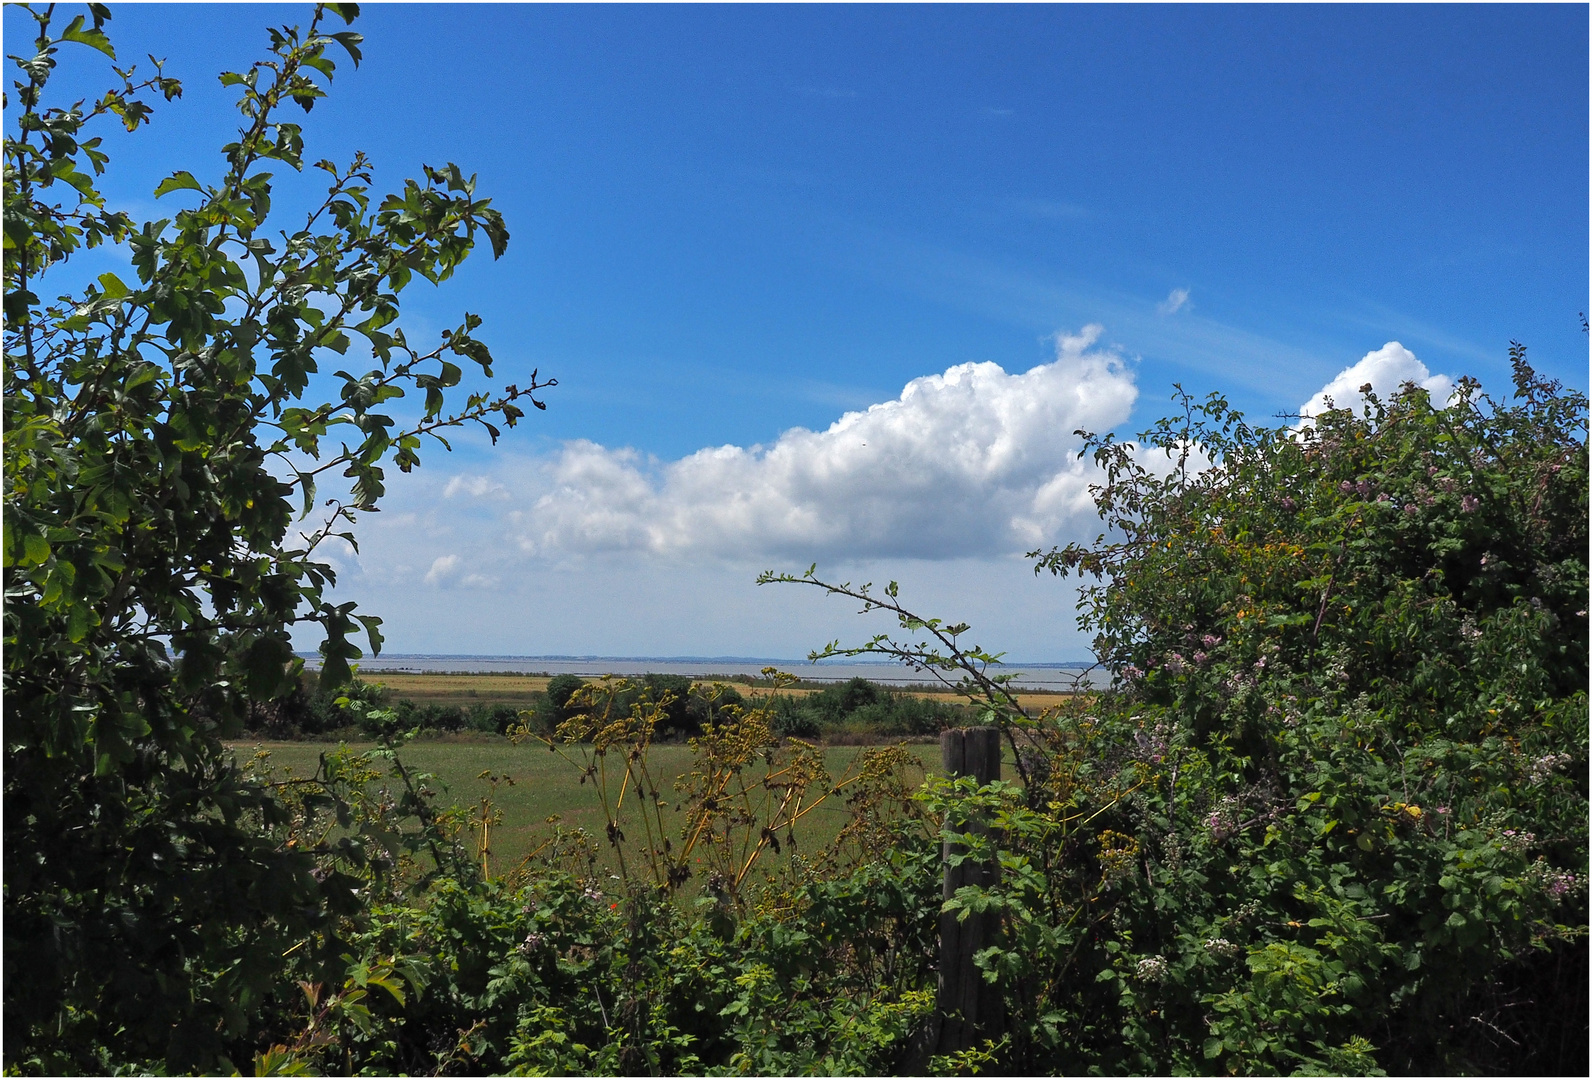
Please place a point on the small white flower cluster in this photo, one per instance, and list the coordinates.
(1516, 840)
(532, 942)
(1545, 766)
(1238, 685)
(1151, 969)
(1556, 883)
(1217, 946)
(1223, 820)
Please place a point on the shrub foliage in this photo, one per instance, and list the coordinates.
(1351, 665)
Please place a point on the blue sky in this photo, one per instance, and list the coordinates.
(732, 222)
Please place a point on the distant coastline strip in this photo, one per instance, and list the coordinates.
(1049, 675)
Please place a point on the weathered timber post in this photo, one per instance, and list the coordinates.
(968, 1008)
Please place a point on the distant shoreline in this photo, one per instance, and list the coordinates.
(1043, 675)
(565, 658)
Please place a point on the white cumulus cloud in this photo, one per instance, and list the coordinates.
(442, 569)
(1175, 301)
(446, 572)
(974, 461)
(477, 487)
(1386, 369)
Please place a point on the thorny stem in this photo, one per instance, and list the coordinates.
(995, 690)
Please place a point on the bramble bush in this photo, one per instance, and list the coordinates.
(1355, 652)
(1331, 816)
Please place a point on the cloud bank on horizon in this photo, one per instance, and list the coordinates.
(972, 463)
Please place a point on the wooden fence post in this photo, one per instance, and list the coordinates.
(968, 1007)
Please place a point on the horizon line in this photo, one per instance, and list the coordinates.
(587, 658)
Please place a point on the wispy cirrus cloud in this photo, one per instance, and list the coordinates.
(832, 93)
(1176, 301)
(1027, 296)
(1047, 209)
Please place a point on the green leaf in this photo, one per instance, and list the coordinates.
(335, 672)
(113, 287)
(36, 550)
(350, 41)
(94, 39)
(178, 181)
(78, 619)
(389, 984)
(372, 626)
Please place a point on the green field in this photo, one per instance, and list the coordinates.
(544, 784)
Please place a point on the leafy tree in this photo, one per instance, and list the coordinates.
(162, 449)
(860, 707)
(559, 690)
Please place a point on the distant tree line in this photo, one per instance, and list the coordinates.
(856, 710)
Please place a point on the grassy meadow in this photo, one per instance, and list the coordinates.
(529, 784)
(544, 783)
